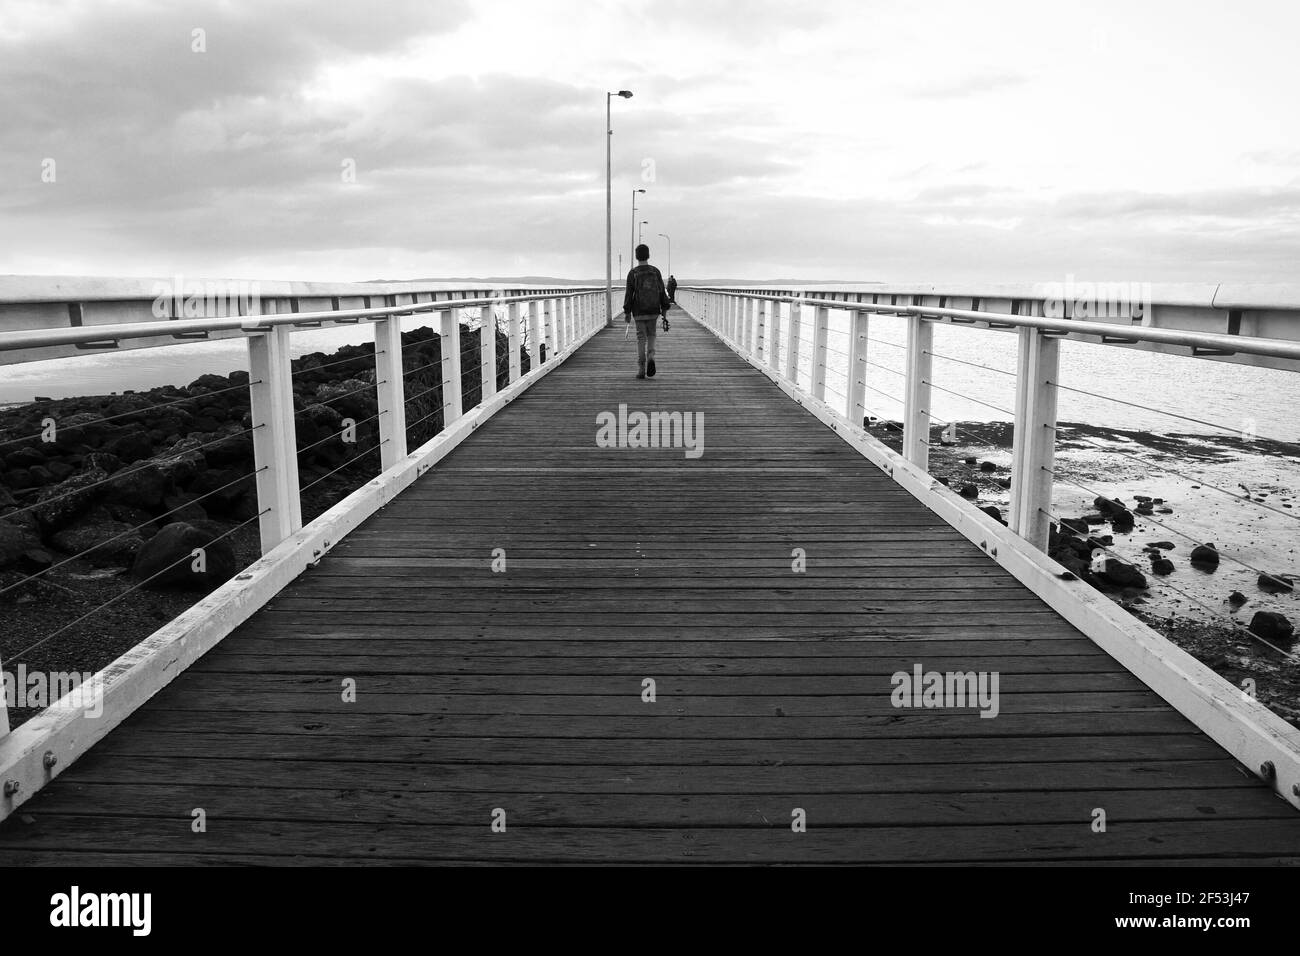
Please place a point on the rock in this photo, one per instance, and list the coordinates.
(1205, 557)
(1094, 519)
(35, 559)
(1157, 501)
(1122, 523)
(1236, 599)
(141, 485)
(994, 512)
(1162, 566)
(988, 466)
(209, 383)
(1075, 524)
(969, 461)
(969, 491)
(1271, 625)
(1142, 498)
(131, 446)
(1145, 508)
(101, 543)
(14, 542)
(166, 559)
(1109, 506)
(24, 458)
(183, 507)
(19, 478)
(182, 461)
(1275, 583)
(59, 504)
(1122, 575)
(1162, 545)
(1003, 482)
(103, 461)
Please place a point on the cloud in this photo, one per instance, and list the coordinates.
(970, 85)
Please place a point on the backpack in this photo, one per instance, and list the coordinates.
(645, 290)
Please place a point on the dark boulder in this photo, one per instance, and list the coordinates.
(988, 466)
(183, 507)
(59, 504)
(1276, 583)
(1121, 522)
(1236, 599)
(143, 486)
(1077, 525)
(1162, 566)
(167, 559)
(1109, 506)
(130, 446)
(1122, 574)
(994, 512)
(969, 491)
(14, 542)
(1272, 626)
(1205, 557)
(1162, 545)
(102, 543)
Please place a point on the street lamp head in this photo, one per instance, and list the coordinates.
(626, 94)
(640, 190)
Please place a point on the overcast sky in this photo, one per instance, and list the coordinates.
(1120, 141)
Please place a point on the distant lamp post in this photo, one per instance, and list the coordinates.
(634, 192)
(609, 215)
(665, 235)
(640, 238)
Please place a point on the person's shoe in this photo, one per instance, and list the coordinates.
(640, 374)
(650, 368)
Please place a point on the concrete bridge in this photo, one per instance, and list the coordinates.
(521, 644)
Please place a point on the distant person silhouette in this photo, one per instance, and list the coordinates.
(645, 302)
(672, 289)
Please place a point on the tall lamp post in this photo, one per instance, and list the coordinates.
(670, 251)
(639, 237)
(633, 250)
(609, 214)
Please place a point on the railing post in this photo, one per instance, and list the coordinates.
(275, 450)
(391, 392)
(916, 398)
(451, 384)
(792, 343)
(514, 341)
(551, 305)
(821, 325)
(1034, 441)
(562, 337)
(857, 397)
(487, 353)
(774, 335)
(762, 332)
(535, 308)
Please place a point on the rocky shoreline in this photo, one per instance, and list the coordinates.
(118, 512)
(1084, 544)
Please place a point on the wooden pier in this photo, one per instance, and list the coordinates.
(499, 622)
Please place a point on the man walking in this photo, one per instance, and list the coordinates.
(645, 302)
(672, 289)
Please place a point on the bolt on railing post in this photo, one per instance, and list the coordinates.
(916, 397)
(857, 391)
(487, 353)
(792, 342)
(821, 325)
(513, 338)
(391, 394)
(1034, 441)
(275, 447)
(451, 384)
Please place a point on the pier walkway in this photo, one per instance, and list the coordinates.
(504, 623)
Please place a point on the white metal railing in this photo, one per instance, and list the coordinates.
(771, 329)
(57, 319)
(750, 319)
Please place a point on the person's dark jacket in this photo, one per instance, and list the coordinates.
(672, 288)
(664, 303)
